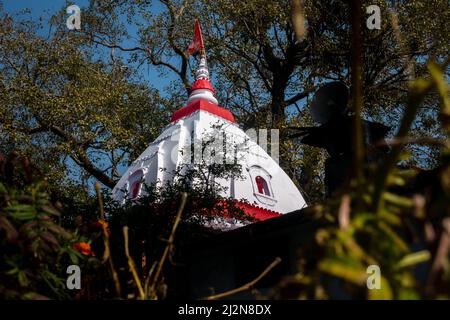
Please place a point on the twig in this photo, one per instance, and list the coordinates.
(149, 276)
(169, 244)
(246, 286)
(107, 253)
(357, 93)
(439, 259)
(344, 212)
(298, 19)
(408, 61)
(132, 265)
(100, 201)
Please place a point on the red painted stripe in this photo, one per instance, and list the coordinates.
(258, 212)
(202, 84)
(202, 105)
(251, 210)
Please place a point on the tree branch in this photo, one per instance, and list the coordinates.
(248, 285)
(184, 58)
(81, 158)
(298, 96)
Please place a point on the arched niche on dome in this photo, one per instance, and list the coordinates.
(262, 186)
(135, 184)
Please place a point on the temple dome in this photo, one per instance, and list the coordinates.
(267, 190)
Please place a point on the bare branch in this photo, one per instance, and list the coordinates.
(168, 246)
(248, 285)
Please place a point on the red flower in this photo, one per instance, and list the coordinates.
(83, 248)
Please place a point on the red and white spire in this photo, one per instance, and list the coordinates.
(202, 88)
(201, 96)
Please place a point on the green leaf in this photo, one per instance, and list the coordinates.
(384, 293)
(361, 220)
(3, 188)
(442, 86)
(22, 277)
(414, 258)
(34, 296)
(338, 268)
(390, 217)
(12, 271)
(73, 256)
(22, 212)
(396, 180)
(398, 200)
(399, 242)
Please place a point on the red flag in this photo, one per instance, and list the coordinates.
(197, 44)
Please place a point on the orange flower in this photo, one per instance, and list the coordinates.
(83, 248)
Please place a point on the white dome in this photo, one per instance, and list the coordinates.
(264, 185)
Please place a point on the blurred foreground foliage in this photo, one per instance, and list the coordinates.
(399, 224)
(121, 248)
(35, 249)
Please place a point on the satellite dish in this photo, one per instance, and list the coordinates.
(329, 101)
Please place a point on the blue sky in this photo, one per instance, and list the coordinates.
(46, 8)
(39, 7)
